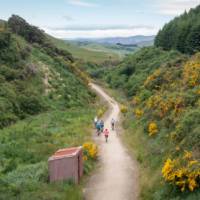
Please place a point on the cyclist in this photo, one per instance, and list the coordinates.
(113, 124)
(102, 125)
(98, 127)
(106, 134)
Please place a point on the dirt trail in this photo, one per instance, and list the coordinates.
(117, 176)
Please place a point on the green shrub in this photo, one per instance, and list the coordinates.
(28, 174)
(130, 75)
(31, 104)
(188, 129)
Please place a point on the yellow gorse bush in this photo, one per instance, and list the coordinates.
(198, 92)
(191, 73)
(123, 109)
(152, 129)
(163, 106)
(85, 158)
(136, 100)
(138, 113)
(183, 172)
(187, 155)
(152, 77)
(167, 169)
(153, 101)
(90, 151)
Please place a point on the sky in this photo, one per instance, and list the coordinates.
(96, 18)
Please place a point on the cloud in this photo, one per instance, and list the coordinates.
(175, 7)
(82, 3)
(98, 27)
(120, 31)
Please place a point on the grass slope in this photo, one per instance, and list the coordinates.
(114, 51)
(26, 146)
(86, 54)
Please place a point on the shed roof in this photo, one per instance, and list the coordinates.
(67, 152)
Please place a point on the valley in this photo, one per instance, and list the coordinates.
(51, 89)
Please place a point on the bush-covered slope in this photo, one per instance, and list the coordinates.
(182, 33)
(45, 104)
(135, 68)
(163, 121)
(34, 74)
(167, 112)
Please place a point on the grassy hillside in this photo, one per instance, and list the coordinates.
(26, 146)
(86, 54)
(115, 51)
(163, 88)
(35, 76)
(135, 68)
(45, 104)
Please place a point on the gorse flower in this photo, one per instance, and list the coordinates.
(168, 168)
(191, 74)
(183, 172)
(153, 129)
(165, 105)
(123, 109)
(152, 77)
(138, 113)
(85, 158)
(187, 155)
(136, 100)
(90, 150)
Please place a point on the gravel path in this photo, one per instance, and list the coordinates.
(117, 176)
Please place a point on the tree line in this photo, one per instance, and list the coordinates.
(182, 33)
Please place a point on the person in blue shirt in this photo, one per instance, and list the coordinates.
(102, 125)
(98, 127)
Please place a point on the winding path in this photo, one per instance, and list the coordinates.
(117, 176)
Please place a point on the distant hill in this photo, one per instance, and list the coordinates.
(100, 50)
(182, 33)
(133, 40)
(81, 51)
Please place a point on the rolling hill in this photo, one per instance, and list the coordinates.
(101, 50)
(86, 54)
(133, 40)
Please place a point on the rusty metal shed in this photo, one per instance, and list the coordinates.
(66, 164)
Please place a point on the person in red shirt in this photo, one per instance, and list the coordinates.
(106, 134)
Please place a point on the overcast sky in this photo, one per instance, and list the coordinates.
(96, 18)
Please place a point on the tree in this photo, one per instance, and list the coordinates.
(182, 33)
(31, 33)
(193, 40)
